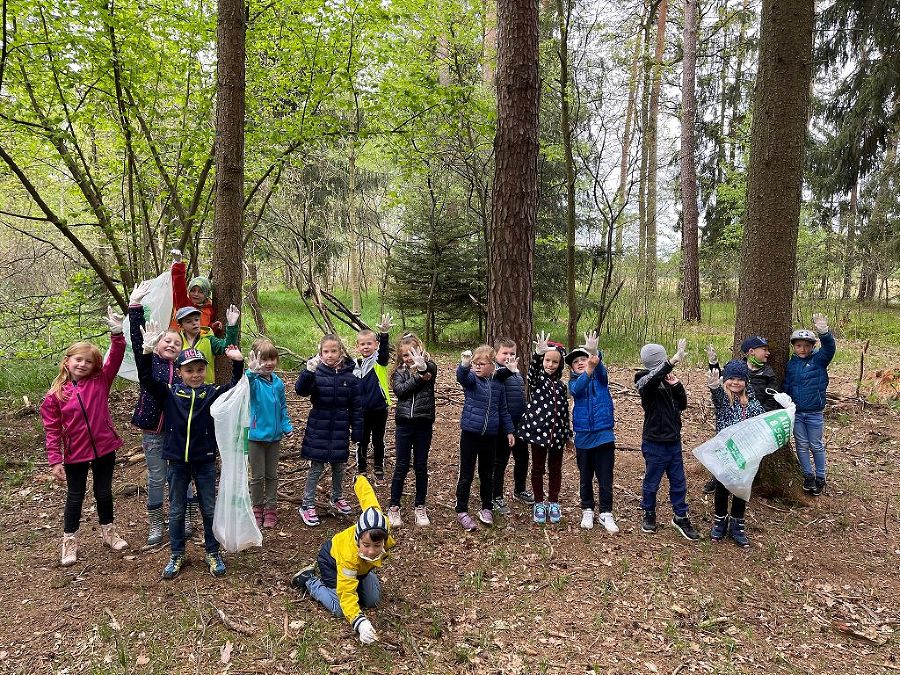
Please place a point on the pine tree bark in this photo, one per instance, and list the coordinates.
(689, 208)
(652, 142)
(645, 151)
(769, 247)
(850, 241)
(228, 248)
(516, 147)
(626, 136)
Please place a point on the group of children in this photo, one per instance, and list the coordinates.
(350, 399)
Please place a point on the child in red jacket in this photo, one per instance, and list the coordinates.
(80, 435)
(197, 293)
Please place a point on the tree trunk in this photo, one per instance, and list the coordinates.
(769, 247)
(515, 176)
(228, 248)
(353, 218)
(850, 241)
(653, 114)
(566, 132)
(253, 298)
(689, 209)
(626, 136)
(642, 171)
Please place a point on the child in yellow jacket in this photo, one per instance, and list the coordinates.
(347, 563)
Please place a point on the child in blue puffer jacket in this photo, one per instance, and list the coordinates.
(593, 422)
(484, 415)
(805, 380)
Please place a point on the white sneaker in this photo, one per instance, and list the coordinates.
(111, 538)
(393, 516)
(422, 517)
(606, 520)
(69, 550)
(587, 519)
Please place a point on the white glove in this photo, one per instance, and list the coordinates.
(151, 334)
(418, 357)
(312, 363)
(541, 346)
(591, 341)
(140, 292)
(465, 359)
(679, 354)
(820, 323)
(176, 254)
(253, 362)
(233, 353)
(387, 322)
(232, 314)
(711, 354)
(713, 381)
(367, 634)
(114, 321)
(513, 364)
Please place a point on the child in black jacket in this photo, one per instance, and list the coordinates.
(663, 399)
(371, 369)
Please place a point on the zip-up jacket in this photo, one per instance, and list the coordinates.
(545, 421)
(728, 413)
(340, 566)
(760, 380)
(147, 412)
(190, 433)
(181, 298)
(211, 346)
(806, 380)
(514, 386)
(593, 409)
(662, 404)
(269, 419)
(415, 396)
(336, 416)
(80, 428)
(373, 388)
(484, 411)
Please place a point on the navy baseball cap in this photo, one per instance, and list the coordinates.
(185, 312)
(189, 356)
(753, 342)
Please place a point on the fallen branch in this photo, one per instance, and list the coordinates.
(233, 625)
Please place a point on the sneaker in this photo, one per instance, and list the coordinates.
(190, 515)
(607, 521)
(258, 514)
(554, 513)
(215, 564)
(524, 496)
(809, 483)
(111, 538)
(486, 517)
(69, 555)
(500, 506)
(379, 473)
(176, 562)
(719, 528)
(738, 533)
(466, 522)
(587, 519)
(421, 516)
(683, 525)
(818, 487)
(270, 518)
(709, 487)
(341, 507)
(155, 533)
(310, 517)
(301, 578)
(649, 524)
(540, 513)
(393, 516)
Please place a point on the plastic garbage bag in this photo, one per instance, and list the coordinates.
(233, 522)
(157, 306)
(733, 455)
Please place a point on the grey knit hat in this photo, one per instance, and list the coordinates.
(653, 356)
(370, 519)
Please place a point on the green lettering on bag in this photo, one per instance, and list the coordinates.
(736, 455)
(245, 440)
(779, 422)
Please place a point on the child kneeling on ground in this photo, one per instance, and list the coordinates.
(347, 562)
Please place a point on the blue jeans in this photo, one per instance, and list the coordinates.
(369, 591)
(664, 458)
(157, 467)
(413, 439)
(204, 477)
(312, 480)
(809, 431)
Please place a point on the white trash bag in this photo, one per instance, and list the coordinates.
(158, 307)
(733, 455)
(233, 522)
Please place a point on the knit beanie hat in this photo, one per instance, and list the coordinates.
(653, 356)
(203, 283)
(370, 519)
(735, 370)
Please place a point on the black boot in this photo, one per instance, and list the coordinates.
(809, 483)
(649, 524)
(719, 528)
(818, 487)
(709, 487)
(738, 533)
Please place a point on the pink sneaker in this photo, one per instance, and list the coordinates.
(486, 517)
(466, 522)
(270, 518)
(310, 517)
(342, 507)
(258, 514)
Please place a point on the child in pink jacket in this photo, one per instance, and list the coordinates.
(80, 435)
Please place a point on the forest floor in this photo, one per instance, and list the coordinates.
(817, 592)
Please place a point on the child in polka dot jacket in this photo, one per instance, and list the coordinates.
(545, 425)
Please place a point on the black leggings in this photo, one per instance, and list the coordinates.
(76, 487)
(374, 423)
(738, 505)
(475, 448)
